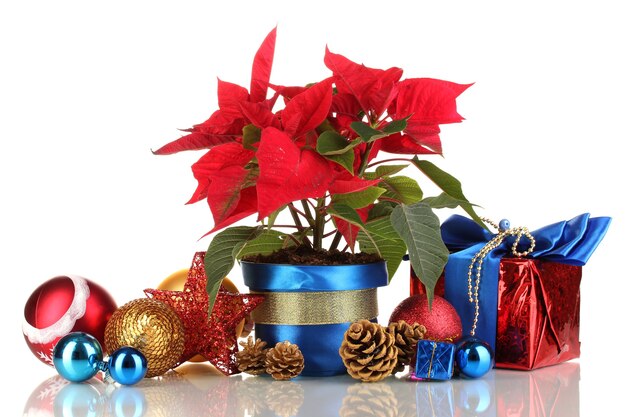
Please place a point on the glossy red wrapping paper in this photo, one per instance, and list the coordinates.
(538, 312)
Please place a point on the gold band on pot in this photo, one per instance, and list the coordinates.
(328, 307)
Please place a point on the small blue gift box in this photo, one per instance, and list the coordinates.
(434, 360)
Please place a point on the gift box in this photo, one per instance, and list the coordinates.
(528, 307)
(433, 360)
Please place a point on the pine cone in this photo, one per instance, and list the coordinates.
(251, 359)
(284, 361)
(369, 400)
(285, 398)
(406, 337)
(368, 351)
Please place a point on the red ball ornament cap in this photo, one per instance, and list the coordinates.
(66, 322)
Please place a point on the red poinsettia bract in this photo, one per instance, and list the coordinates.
(258, 160)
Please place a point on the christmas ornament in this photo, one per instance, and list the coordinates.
(215, 338)
(368, 351)
(474, 357)
(442, 321)
(76, 356)
(176, 282)
(251, 359)
(284, 361)
(434, 360)
(62, 305)
(151, 327)
(406, 337)
(127, 365)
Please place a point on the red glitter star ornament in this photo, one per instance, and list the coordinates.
(215, 338)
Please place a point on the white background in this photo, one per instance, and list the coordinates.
(88, 88)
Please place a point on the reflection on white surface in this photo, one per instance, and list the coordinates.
(197, 390)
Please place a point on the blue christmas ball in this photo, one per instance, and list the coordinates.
(76, 356)
(474, 357)
(504, 224)
(127, 365)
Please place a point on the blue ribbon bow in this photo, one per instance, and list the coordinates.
(570, 242)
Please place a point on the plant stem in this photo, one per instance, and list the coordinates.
(284, 225)
(331, 233)
(336, 240)
(298, 243)
(292, 207)
(389, 160)
(365, 157)
(307, 212)
(296, 220)
(318, 230)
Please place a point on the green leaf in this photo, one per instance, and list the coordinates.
(359, 199)
(443, 200)
(271, 219)
(324, 126)
(366, 132)
(381, 209)
(396, 126)
(346, 160)
(387, 170)
(383, 239)
(402, 189)
(448, 185)
(346, 213)
(332, 143)
(384, 171)
(267, 242)
(419, 228)
(221, 254)
(251, 135)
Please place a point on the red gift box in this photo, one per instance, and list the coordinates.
(538, 312)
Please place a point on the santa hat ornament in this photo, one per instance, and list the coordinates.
(62, 305)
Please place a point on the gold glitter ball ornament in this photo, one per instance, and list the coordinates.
(153, 328)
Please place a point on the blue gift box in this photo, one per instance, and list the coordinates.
(434, 360)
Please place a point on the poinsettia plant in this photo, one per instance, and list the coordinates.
(317, 158)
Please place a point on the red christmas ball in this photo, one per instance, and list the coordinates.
(63, 305)
(442, 322)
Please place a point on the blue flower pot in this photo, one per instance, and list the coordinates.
(313, 306)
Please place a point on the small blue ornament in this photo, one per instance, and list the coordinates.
(474, 357)
(504, 224)
(127, 365)
(76, 355)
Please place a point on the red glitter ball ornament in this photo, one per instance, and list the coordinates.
(442, 322)
(62, 305)
(213, 337)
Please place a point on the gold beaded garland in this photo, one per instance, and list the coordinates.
(477, 260)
